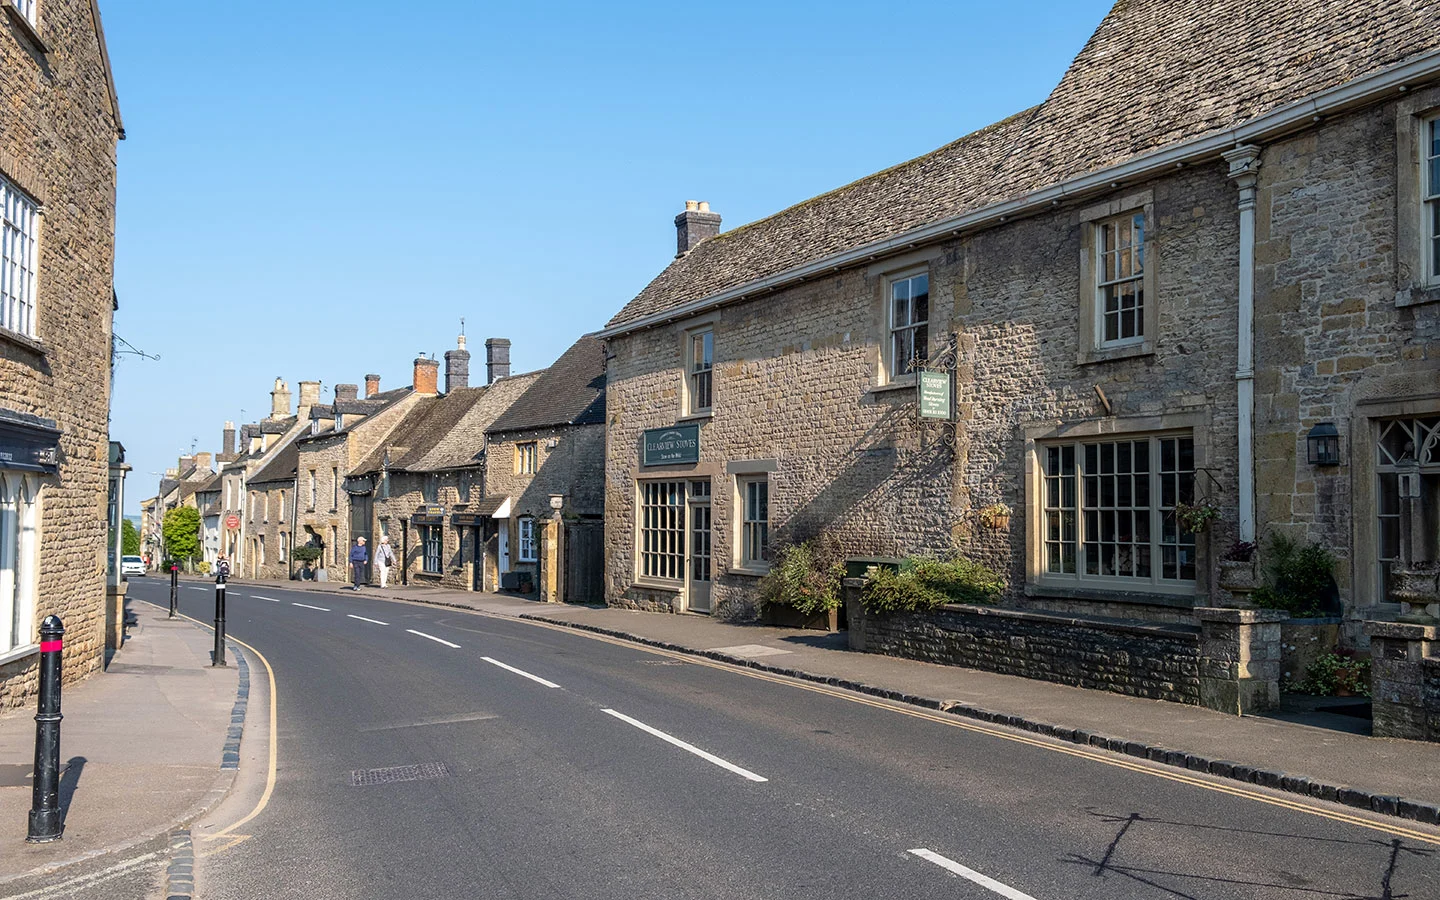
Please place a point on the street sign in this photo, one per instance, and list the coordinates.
(934, 390)
(232, 522)
(669, 446)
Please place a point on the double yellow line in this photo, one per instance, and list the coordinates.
(1153, 770)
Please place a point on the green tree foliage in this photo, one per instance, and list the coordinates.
(182, 533)
(129, 538)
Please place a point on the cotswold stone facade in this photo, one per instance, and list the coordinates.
(1132, 310)
(57, 178)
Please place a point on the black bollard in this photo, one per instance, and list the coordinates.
(174, 591)
(45, 823)
(218, 657)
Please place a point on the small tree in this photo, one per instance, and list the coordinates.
(182, 534)
(129, 538)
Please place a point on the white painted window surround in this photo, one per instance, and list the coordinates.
(527, 539)
(1120, 279)
(1430, 154)
(908, 315)
(27, 9)
(19, 239)
(19, 521)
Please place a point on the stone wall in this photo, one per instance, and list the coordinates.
(58, 145)
(393, 513)
(1404, 680)
(1160, 662)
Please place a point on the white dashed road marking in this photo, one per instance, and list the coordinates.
(308, 606)
(984, 881)
(363, 619)
(708, 757)
(271, 599)
(496, 662)
(433, 638)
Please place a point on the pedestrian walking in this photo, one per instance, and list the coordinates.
(359, 556)
(385, 558)
(222, 567)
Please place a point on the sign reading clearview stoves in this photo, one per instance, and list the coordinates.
(669, 446)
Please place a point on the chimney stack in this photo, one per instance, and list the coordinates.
(202, 463)
(372, 386)
(697, 223)
(309, 395)
(344, 392)
(457, 366)
(279, 400)
(427, 375)
(497, 359)
(228, 443)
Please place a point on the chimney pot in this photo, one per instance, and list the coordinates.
(497, 359)
(457, 366)
(696, 224)
(372, 385)
(280, 400)
(309, 394)
(427, 375)
(344, 392)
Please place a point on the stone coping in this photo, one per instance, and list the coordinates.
(1402, 631)
(1240, 616)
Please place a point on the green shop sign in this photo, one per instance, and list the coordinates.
(934, 395)
(670, 446)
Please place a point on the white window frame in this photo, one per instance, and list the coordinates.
(660, 530)
(265, 507)
(1430, 196)
(896, 372)
(282, 507)
(525, 530)
(752, 539)
(28, 9)
(334, 488)
(19, 259)
(1092, 346)
(699, 371)
(314, 490)
(1122, 275)
(19, 524)
(1062, 490)
(427, 534)
(527, 457)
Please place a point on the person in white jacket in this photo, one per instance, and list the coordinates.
(384, 558)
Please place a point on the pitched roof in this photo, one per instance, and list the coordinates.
(448, 431)
(1154, 73)
(570, 392)
(366, 407)
(281, 466)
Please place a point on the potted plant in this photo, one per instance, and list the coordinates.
(1195, 517)
(1237, 568)
(1338, 674)
(996, 516)
(305, 556)
(803, 587)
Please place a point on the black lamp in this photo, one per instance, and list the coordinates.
(1323, 443)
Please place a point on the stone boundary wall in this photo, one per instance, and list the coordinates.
(1161, 662)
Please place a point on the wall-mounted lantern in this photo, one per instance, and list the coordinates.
(1323, 443)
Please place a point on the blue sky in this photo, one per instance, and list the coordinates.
(320, 190)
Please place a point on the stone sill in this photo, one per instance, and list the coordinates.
(1417, 295)
(673, 586)
(1057, 592)
(894, 387)
(34, 345)
(705, 416)
(17, 18)
(1124, 351)
(748, 571)
(19, 653)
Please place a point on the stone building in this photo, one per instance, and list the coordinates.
(57, 215)
(427, 481)
(318, 511)
(545, 467)
(1207, 243)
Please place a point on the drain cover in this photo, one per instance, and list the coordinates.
(393, 774)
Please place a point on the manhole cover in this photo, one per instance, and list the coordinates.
(393, 774)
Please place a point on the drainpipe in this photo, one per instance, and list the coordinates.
(1244, 162)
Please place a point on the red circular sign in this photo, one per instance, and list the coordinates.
(232, 522)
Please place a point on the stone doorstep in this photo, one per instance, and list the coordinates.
(1426, 813)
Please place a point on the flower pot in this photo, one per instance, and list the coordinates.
(1000, 523)
(1238, 576)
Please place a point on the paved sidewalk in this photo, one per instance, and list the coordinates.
(141, 748)
(1389, 776)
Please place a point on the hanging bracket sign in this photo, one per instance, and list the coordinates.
(676, 445)
(934, 400)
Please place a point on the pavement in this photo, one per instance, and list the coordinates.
(141, 745)
(1302, 752)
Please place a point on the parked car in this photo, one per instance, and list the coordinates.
(132, 565)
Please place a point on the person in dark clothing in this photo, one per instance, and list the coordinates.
(222, 567)
(359, 556)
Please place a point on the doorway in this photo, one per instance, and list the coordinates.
(477, 557)
(698, 562)
(503, 554)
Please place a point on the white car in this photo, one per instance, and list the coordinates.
(132, 565)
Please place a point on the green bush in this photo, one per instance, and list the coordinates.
(929, 583)
(805, 576)
(1297, 577)
(305, 554)
(203, 567)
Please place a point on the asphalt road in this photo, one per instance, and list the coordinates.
(424, 752)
